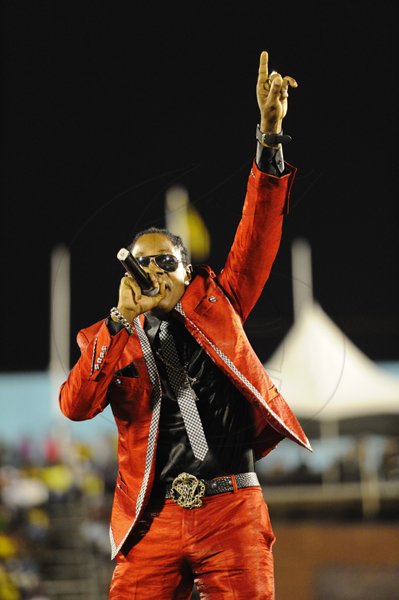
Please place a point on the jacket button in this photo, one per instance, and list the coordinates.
(118, 381)
(212, 298)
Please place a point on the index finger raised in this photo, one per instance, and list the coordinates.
(263, 72)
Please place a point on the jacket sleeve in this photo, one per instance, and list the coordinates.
(257, 238)
(84, 394)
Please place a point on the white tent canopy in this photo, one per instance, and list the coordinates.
(324, 376)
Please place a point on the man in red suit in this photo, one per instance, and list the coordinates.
(192, 402)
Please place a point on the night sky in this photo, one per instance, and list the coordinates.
(105, 108)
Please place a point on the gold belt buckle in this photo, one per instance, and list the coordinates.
(187, 490)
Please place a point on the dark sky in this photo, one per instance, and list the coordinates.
(105, 108)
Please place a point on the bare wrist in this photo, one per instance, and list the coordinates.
(270, 123)
(267, 129)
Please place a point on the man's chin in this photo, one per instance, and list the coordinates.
(166, 305)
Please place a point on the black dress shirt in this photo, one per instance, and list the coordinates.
(225, 414)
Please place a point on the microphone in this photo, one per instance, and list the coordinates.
(132, 266)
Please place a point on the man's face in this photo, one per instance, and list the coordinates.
(151, 244)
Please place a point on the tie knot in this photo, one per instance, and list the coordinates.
(166, 333)
(165, 326)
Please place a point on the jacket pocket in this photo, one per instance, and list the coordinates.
(128, 371)
(130, 399)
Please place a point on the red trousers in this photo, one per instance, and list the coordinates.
(225, 547)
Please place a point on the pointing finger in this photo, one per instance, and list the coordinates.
(263, 72)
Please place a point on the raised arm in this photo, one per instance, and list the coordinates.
(258, 235)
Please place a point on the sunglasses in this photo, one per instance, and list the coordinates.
(166, 262)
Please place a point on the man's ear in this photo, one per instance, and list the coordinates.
(189, 274)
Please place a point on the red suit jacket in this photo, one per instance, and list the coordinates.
(213, 309)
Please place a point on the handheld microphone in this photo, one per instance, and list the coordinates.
(132, 266)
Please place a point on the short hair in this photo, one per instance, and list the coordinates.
(175, 239)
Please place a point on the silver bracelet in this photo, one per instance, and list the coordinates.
(115, 313)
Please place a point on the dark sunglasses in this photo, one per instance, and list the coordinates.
(166, 262)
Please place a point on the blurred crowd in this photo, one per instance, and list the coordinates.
(38, 477)
(345, 459)
(35, 479)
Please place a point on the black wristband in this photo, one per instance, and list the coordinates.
(271, 140)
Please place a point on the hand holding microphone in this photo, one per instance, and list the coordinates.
(132, 266)
(138, 291)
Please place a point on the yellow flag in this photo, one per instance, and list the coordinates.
(183, 218)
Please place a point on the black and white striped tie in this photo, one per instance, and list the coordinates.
(185, 395)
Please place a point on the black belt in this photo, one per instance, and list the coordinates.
(187, 491)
